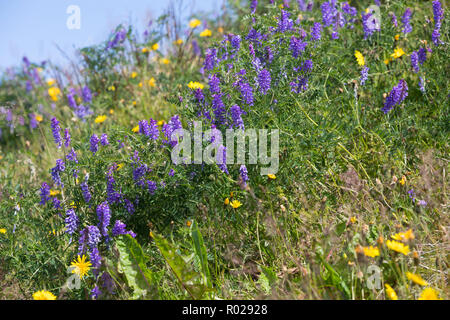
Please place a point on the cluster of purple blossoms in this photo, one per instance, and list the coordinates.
(81, 111)
(244, 174)
(422, 84)
(214, 84)
(33, 121)
(45, 193)
(415, 61)
(71, 221)
(85, 191)
(151, 186)
(406, 18)
(253, 5)
(89, 238)
(66, 138)
(316, 31)
(268, 54)
(422, 55)
(210, 58)
(119, 228)
(394, 19)
(328, 12)
(72, 156)
(221, 159)
(246, 92)
(438, 15)
(236, 42)
(264, 81)
(300, 84)
(119, 37)
(370, 24)
(297, 46)
(86, 94)
(112, 195)
(168, 128)
(56, 131)
(396, 96)
(60, 167)
(218, 108)
(149, 129)
(129, 206)
(364, 75)
(285, 23)
(104, 140)
(104, 217)
(236, 116)
(94, 143)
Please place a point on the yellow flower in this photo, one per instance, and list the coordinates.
(220, 29)
(417, 279)
(160, 122)
(227, 201)
(398, 247)
(51, 82)
(112, 88)
(100, 119)
(3, 231)
(39, 69)
(134, 103)
(134, 74)
(81, 266)
(111, 111)
(144, 50)
(140, 84)
(194, 23)
(188, 223)
(236, 204)
(165, 61)
(398, 52)
(152, 82)
(371, 251)
(72, 204)
(155, 46)
(205, 33)
(135, 129)
(54, 192)
(390, 292)
(403, 181)
(359, 58)
(54, 92)
(404, 236)
(397, 36)
(43, 295)
(38, 118)
(353, 219)
(120, 166)
(271, 176)
(178, 41)
(195, 85)
(386, 61)
(429, 294)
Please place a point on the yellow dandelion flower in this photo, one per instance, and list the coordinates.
(134, 103)
(397, 247)
(54, 93)
(112, 88)
(353, 219)
(160, 122)
(178, 41)
(429, 294)
(120, 166)
(54, 192)
(390, 292)
(359, 58)
(417, 279)
(43, 295)
(195, 85)
(227, 201)
(236, 204)
(38, 118)
(72, 204)
(402, 180)
(404, 236)
(3, 231)
(152, 82)
(81, 266)
(371, 251)
(188, 223)
(51, 82)
(194, 23)
(220, 30)
(134, 74)
(144, 50)
(397, 36)
(271, 176)
(398, 52)
(111, 111)
(165, 61)
(386, 61)
(100, 119)
(135, 129)
(206, 33)
(155, 46)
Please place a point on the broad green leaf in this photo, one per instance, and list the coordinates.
(194, 282)
(132, 261)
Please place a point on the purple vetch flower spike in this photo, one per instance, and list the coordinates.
(394, 19)
(45, 193)
(364, 75)
(104, 140)
(422, 84)
(72, 156)
(316, 31)
(119, 228)
(407, 28)
(129, 206)
(214, 84)
(415, 61)
(94, 144)
(422, 55)
(60, 167)
(56, 131)
(104, 217)
(66, 138)
(253, 5)
(151, 186)
(87, 95)
(264, 80)
(244, 174)
(236, 116)
(285, 23)
(85, 191)
(396, 96)
(95, 293)
(33, 121)
(71, 221)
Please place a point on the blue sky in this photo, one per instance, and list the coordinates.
(33, 27)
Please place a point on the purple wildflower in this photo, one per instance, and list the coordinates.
(87, 95)
(45, 193)
(104, 139)
(60, 167)
(33, 121)
(94, 144)
(415, 61)
(264, 80)
(66, 138)
(246, 92)
(236, 116)
(243, 173)
(253, 5)
(364, 75)
(151, 186)
(85, 191)
(129, 206)
(210, 58)
(297, 46)
(422, 55)
(56, 131)
(236, 42)
(285, 23)
(119, 228)
(95, 293)
(394, 19)
(316, 31)
(71, 221)
(396, 96)
(407, 28)
(104, 217)
(219, 109)
(214, 84)
(72, 156)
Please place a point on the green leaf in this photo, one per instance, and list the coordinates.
(200, 251)
(132, 262)
(194, 282)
